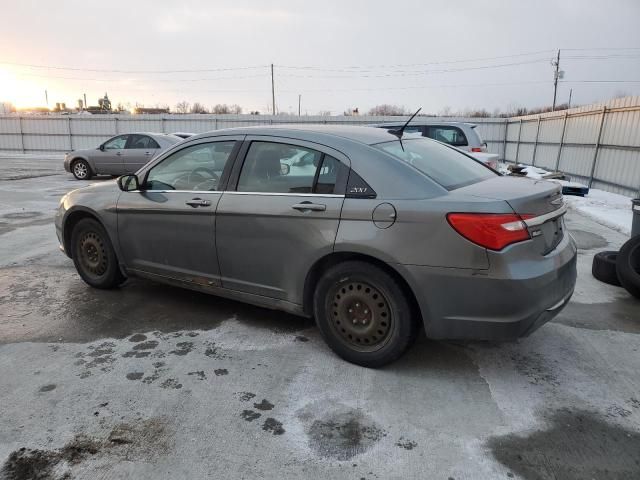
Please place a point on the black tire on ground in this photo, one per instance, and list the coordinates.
(94, 256)
(364, 314)
(604, 267)
(628, 266)
(81, 170)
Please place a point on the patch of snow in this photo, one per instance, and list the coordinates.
(606, 208)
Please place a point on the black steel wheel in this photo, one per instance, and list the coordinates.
(364, 314)
(360, 316)
(94, 256)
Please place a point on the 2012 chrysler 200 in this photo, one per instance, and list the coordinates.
(371, 234)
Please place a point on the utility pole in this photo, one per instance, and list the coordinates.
(570, 93)
(556, 75)
(273, 93)
(46, 98)
(85, 100)
(299, 100)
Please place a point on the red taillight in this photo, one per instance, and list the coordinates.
(476, 149)
(490, 230)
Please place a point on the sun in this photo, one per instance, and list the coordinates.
(19, 91)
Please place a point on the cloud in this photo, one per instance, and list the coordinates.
(185, 19)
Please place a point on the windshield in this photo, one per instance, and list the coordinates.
(445, 165)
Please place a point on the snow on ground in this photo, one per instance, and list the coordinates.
(606, 208)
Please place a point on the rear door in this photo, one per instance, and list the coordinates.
(140, 149)
(109, 160)
(167, 228)
(279, 215)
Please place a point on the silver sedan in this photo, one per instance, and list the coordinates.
(371, 234)
(121, 154)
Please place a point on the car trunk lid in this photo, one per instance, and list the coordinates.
(538, 202)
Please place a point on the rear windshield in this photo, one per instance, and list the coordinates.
(445, 165)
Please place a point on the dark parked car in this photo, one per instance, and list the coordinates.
(118, 155)
(371, 235)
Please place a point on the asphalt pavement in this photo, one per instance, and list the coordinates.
(150, 381)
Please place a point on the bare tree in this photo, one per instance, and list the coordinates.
(221, 109)
(198, 108)
(235, 108)
(182, 107)
(446, 111)
(386, 109)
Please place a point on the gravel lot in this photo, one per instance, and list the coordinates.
(150, 381)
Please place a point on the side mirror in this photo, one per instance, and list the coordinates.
(284, 169)
(128, 183)
(101, 148)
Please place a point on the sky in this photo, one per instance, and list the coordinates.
(335, 55)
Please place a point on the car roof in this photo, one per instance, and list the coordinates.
(358, 134)
(420, 123)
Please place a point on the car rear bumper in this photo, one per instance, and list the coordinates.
(522, 296)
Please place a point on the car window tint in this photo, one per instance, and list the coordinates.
(451, 135)
(116, 143)
(142, 141)
(327, 175)
(447, 166)
(278, 168)
(196, 168)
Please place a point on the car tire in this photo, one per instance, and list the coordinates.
(94, 256)
(628, 266)
(604, 267)
(81, 170)
(364, 314)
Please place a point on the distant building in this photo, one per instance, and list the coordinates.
(6, 107)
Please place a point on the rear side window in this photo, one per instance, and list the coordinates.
(451, 135)
(282, 168)
(446, 166)
(142, 141)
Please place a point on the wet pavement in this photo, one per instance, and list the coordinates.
(150, 381)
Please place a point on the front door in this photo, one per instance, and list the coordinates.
(109, 158)
(140, 149)
(167, 228)
(281, 218)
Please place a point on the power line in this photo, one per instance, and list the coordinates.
(93, 70)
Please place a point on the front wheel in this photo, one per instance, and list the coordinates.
(94, 256)
(364, 314)
(81, 170)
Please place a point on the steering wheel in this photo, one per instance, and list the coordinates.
(213, 177)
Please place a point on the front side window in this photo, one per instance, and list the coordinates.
(195, 168)
(116, 143)
(451, 135)
(445, 165)
(279, 168)
(142, 141)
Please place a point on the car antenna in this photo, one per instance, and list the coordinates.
(400, 132)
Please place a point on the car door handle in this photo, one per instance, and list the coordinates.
(147, 153)
(308, 206)
(118, 153)
(198, 202)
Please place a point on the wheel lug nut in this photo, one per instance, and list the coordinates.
(355, 321)
(351, 310)
(364, 322)
(366, 311)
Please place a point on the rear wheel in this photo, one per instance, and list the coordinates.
(94, 256)
(81, 170)
(364, 314)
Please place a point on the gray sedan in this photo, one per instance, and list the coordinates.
(119, 155)
(372, 235)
